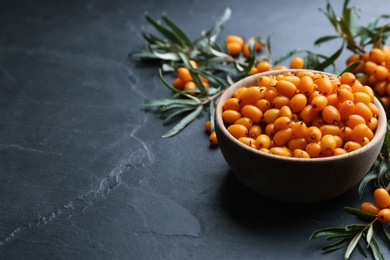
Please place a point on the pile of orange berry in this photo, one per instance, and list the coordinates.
(183, 80)
(381, 207)
(374, 70)
(304, 115)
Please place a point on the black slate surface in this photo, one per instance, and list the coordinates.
(84, 173)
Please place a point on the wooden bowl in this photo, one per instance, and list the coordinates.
(295, 179)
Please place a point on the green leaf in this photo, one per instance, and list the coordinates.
(337, 245)
(352, 244)
(169, 101)
(175, 113)
(330, 60)
(359, 213)
(369, 235)
(325, 39)
(328, 232)
(376, 250)
(385, 235)
(184, 122)
(167, 33)
(372, 175)
(219, 24)
(351, 67)
(212, 115)
(178, 32)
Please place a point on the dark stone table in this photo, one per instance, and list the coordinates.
(84, 172)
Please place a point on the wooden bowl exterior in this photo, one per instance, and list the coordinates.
(295, 179)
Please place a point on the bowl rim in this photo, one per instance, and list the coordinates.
(379, 134)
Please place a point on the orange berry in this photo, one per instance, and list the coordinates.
(254, 131)
(230, 116)
(207, 126)
(377, 55)
(213, 138)
(297, 63)
(382, 198)
(188, 86)
(297, 102)
(384, 215)
(234, 38)
(232, 104)
(178, 83)
(234, 48)
(245, 121)
(184, 74)
(263, 141)
(300, 153)
(370, 208)
(286, 88)
(263, 66)
(313, 134)
(282, 151)
(331, 115)
(248, 141)
(252, 112)
(251, 95)
(237, 130)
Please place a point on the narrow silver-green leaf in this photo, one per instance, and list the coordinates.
(175, 113)
(352, 244)
(168, 101)
(178, 32)
(376, 252)
(337, 245)
(369, 235)
(183, 122)
(167, 33)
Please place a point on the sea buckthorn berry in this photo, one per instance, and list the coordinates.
(271, 115)
(318, 122)
(286, 111)
(178, 83)
(330, 129)
(253, 70)
(370, 208)
(314, 94)
(377, 55)
(251, 95)
(333, 100)
(184, 74)
(347, 78)
(372, 123)
(263, 104)
(328, 142)
(345, 94)
(313, 134)
(248, 141)
(282, 137)
(346, 133)
(234, 38)
(293, 79)
(297, 143)
(207, 126)
(282, 122)
(319, 102)
(270, 130)
(314, 150)
(297, 102)
(213, 138)
(234, 48)
(263, 81)
(245, 121)
(369, 91)
(363, 110)
(382, 198)
(381, 87)
(308, 114)
(300, 153)
(286, 88)
(351, 146)
(346, 109)
(339, 141)
(188, 86)
(252, 112)
(282, 151)
(370, 67)
(297, 63)
(246, 51)
(280, 67)
(361, 131)
(306, 85)
(384, 215)
(232, 104)
(339, 151)
(238, 91)
(354, 120)
(270, 94)
(324, 85)
(299, 129)
(254, 131)
(381, 72)
(280, 101)
(263, 141)
(263, 66)
(230, 116)
(331, 115)
(237, 130)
